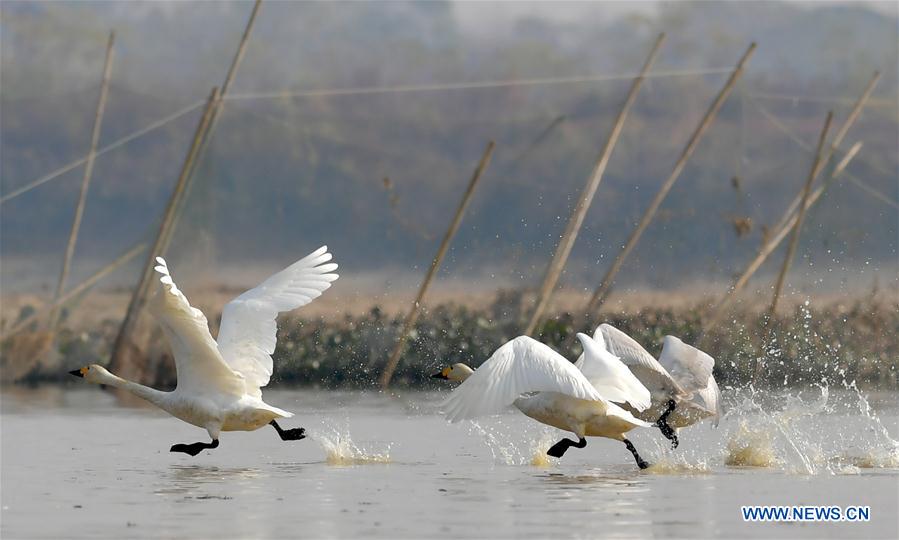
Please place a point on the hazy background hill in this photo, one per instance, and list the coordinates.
(285, 174)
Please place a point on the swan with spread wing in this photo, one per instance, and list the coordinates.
(220, 383)
(545, 386)
(683, 388)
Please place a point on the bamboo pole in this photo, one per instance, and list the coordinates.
(232, 72)
(852, 178)
(217, 110)
(797, 225)
(794, 242)
(782, 227)
(773, 242)
(602, 291)
(241, 49)
(85, 180)
(173, 210)
(75, 291)
(563, 250)
(139, 295)
(835, 143)
(415, 309)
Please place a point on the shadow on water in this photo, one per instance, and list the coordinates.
(623, 481)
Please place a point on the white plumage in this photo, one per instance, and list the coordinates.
(609, 375)
(682, 373)
(248, 331)
(545, 386)
(521, 366)
(219, 384)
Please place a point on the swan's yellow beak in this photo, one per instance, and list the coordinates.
(78, 372)
(442, 375)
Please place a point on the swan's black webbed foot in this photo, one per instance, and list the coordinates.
(662, 424)
(640, 463)
(194, 448)
(294, 434)
(558, 450)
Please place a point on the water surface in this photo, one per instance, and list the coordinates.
(77, 464)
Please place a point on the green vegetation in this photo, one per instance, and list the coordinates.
(839, 342)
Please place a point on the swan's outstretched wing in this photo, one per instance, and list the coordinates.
(198, 362)
(520, 366)
(689, 366)
(610, 376)
(642, 364)
(248, 331)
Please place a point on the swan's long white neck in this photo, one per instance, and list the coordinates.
(156, 397)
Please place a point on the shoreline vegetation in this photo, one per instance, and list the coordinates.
(837, 342)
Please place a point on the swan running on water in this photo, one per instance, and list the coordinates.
(681, 382)
(219, 384)
(545, 386)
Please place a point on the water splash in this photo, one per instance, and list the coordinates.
(885, 453)
(340, 450)
(823, 435)
(679, 463)
(514, 445)
(539, 457)
(750, 447)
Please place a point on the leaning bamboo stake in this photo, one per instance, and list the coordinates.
(563, 250)
(173, 211)
(772, 244)
(602, 291)
(232, 71)
(415, 309)
(85, 180)
(797, 226)
(850, 177)
(75, 291)
(168, 218)
(835, 143)
(217, 110)
(782, 227)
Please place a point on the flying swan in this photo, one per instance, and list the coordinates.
(219, 384)
(681, 382)
(545, 386)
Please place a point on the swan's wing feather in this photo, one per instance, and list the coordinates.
(197, 360)
(520, 366)
(689, 366)
(643, 365)
(710, 399)
(650, 372)
(248, 332)
(611, 378)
